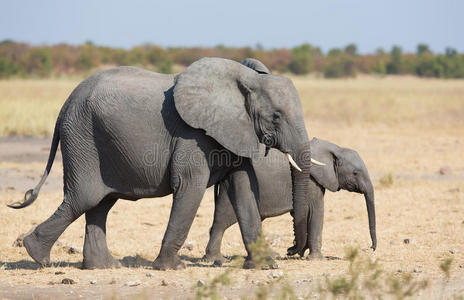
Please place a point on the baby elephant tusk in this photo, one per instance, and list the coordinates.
(317, 163)
(292, 162)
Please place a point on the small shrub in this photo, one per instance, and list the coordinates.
(302, 60)
(261, 252)
(445, 266)
(366, 279)
(387, 180)
(210, 290)
(165, 67)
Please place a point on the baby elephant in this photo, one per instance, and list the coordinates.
(344, 169)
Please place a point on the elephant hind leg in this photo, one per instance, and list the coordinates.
(224, 217)
(76, 201)
(96, 253)
(213, 249)
(39, 243)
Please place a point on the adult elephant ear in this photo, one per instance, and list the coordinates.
(326, 153)
(255, 65)
(212, 94)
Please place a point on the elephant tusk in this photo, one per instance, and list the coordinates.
(292, 162)
(317, 163)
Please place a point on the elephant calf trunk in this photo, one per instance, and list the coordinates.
(370, 204)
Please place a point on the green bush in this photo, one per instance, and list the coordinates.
(351, 49)
(423, 49)
(342, 66)
(396, 60)
(39, 62)
(428, 66)
(302, 60)
(166, 67)
(8, 68)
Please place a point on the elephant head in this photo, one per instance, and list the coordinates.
(241, 108)
(344, 170)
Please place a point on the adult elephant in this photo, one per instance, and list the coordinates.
(127, 133)
(344, 169)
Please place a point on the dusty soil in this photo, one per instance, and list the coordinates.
(421, 205)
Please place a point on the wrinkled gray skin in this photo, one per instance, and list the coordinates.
(127, 133)
(344, 169)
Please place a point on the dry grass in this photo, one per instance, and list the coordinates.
(30, 107)
(391, 100)
(406, 128)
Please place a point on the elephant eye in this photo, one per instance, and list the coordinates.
(355, 172)
(276, 116)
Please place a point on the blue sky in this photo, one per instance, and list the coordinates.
(326, 23)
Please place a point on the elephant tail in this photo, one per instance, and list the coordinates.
(31, 195)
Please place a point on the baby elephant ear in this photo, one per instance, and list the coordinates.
(211, 94)
(324, 152)
(255, 65)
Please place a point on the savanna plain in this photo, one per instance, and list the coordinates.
(409, 131)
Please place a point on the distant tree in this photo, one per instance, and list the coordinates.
(450, 52)
(137, 56)
(156, 55)
(342, 66)
(38, 61)
(84, 62)
(8, 67)
(302, 60)
(334, 52)
(6, 42)
(451, 66)
(277, 60)
(165, 67)
(259, 47)
(428, 66)
(351, 49)
(394, 66)
(423, 49)
(120, 57)
(380, 52)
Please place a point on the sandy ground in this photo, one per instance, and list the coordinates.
(421, 205)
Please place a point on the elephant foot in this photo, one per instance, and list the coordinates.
(249, 264)
(294, 250)
(216, 258)
(101, 262)
(164, 263)
(36, 249)
(315, 256)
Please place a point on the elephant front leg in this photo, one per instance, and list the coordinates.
(96, 253)
(242, 187)
(315, 222)
(188, 193)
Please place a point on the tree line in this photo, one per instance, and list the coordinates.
(23, 60)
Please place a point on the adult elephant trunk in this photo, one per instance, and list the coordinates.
(301, 204)
(370, 204)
